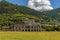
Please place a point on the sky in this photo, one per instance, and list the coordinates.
(54, 3)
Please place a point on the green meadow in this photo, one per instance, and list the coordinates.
(29, 35)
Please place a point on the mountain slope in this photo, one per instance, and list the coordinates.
(55, 14)
(8, 10)
(6, 7)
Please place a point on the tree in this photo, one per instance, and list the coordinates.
(3, 0)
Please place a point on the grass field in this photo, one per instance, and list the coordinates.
(29, 35)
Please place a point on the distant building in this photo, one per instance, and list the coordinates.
(25, 26)
(30, 22)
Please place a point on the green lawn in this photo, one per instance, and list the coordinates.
(29, 35)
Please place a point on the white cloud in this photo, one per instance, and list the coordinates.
(40, 5)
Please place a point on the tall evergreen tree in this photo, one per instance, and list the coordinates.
(3, 0)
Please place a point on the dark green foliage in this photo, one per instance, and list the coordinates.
(58, 28)
(49, 28)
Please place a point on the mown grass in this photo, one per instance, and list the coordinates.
(29, 35)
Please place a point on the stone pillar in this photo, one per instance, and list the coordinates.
(38, 29)
(33, 28)
(30, 29)
(24, 28)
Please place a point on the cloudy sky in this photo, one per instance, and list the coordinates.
(55, 3)
(40, 5)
